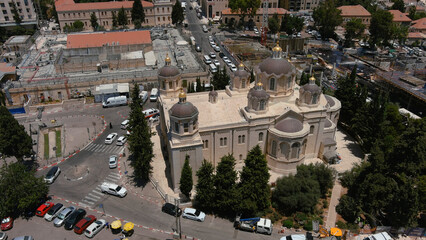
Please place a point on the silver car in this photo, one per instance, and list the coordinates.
(62, 216)
(94, 228)
(112, 161)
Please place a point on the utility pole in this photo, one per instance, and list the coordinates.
(178, 226)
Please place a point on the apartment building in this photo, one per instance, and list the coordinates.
(229, 16)
(400, 18)
(297, 5)
(214, 8)
(25, 9)
(157, 12)
(353, 12)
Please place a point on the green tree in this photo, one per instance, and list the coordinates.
(380, 27)
(346, 92)
(140, 144)
(137, 24)
(186, 178)
(205, 187)
(198, 87)
(2, 98)
(114, 20)
(327, 17)
(253, 187)
(220, 79)
(21, 189)
(274, 24)
(14, 140)
(244, 7)
(78, 25)
(94, 21)
(291, 24)
(398, 5)
(354, 30)
(122, 17)
(177, 13)
(319, 172)
(138, 13)
(399, 32)
(226, 195)
(16, 16)
(412, 12)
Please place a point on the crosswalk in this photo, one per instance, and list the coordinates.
(96, 194)
(93, 147)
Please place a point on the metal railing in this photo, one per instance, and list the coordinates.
(166, 197)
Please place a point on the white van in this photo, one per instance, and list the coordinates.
(115, 101)
(264, 226)
(207, 59)
(213, 68)
(125, 124)
(154, 95)
(144, 96)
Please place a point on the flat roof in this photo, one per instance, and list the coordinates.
(108, 38)
(18, 39)
(70, 5)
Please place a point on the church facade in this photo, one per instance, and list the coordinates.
(290, 123)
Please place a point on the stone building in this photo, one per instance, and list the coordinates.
(350, 12)
(25, 10)
(290, 123)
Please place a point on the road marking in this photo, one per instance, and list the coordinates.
(93, 195)
(98, 192)
(114, 176)
(98, 188)
(111, 179)
(83, 205)
(90, 198)
(85, 200)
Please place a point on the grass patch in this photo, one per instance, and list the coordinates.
(58, 144)
(46, 146)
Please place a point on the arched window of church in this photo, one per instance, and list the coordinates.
(176, 127)
(295, 150)
(285, 149)
(262, 105)
(163, 83)
(224, 141)
(221, 142)
(289, 83)
(304, 146)
(314, 98)
(274, 148)
(243, 83)
(272, 84)
(261, 137)
(311, 130)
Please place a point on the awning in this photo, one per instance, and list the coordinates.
(128, 226)
(116, 224)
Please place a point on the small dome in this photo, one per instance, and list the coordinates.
(241, 73)
(313, 88)
(183, 110)
(258, 93)
(327, 123)
(330, 100)
(168, 71)
(289, 125)
(277, 66)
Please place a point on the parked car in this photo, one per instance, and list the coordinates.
(6, 223)
(83, 224)
(233, 67)
(125, 124)
(150, 112)
(53, 212)
(217, 49)
(222, 55)
(197, 48)
(94, 228)
(3, 236)
(23, 238)
(74, 218)
(154, 118)
(113, 189)
(193, 214)
(52, 174)
(42, 210)
(113, 161)
(256, 32)
(212, 55)
(121, 140)
(63, 215)
(110, 138)
(171, 209)
(216, 62)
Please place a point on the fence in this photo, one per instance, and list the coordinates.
(162, 193)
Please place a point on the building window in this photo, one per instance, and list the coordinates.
(79, 14)
(2, 5)
(185, 127)
(272, 84)
(164, 18)
(241, 157)
(243, 83)
(304, 147)
(176, 127)
(284, 149)
(6, 18)
(274, 148)
(262, 105)
(225, 141)
(241, 139)
(295, 150)
(63, 14)
(314, 98)
(221, 142)
(260, 136)
(206, 144)
(158, 18)
(163, 10)
(4, 12)
(311, 130)
(85, 24)
(18, 3)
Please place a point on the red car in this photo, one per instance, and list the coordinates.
(83, 224)
(42, 210)
(6, 223)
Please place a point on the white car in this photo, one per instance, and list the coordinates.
(125, 124)
(256, 32)
(193, 214)
(217, 48)
(54, 211)
(216, 62)
(233, 67)
(225, 58)
(228, 62)
(110, 138)
(121, 140)
(52, 174)
(154, 118)
(94, 228)
(3, 236)
(113, 161)
(113, 189)
(212, 55)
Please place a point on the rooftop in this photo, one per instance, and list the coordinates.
(70, 5)
(398, 16)
(6, 68)
(419, 24)
(108, 38)
(258, 12)
(354, 11)
(18, 39)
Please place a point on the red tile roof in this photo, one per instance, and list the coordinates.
(419, 24)
(4, 67)
(354, 11)
(271, 11)
(398, 16)
(104, 38)
(416, 35)
(70, 5)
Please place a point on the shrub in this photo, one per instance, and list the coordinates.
(287, 223)
(275, 217)
(325, 203)
(308, 225)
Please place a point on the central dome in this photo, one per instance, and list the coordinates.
(277, 66)
(168, 71)
(183, 110)
(289, 125)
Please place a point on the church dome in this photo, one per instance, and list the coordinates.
(183, 110)
(311, 86)
(168, 71)
(289, 125)
(258, 92)
(277, 66)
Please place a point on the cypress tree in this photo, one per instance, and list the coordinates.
(198, 88)
(94, 21)
(186, 178)
(122, 17)
(138, 12)
(205, 187)
(226, 195)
